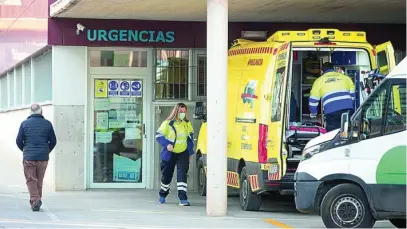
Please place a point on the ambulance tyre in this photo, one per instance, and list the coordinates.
(201, 179)
(249, 201)
(399, 223)
(346, 206)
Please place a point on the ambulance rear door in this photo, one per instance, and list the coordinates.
(280, 90)
(385, 58)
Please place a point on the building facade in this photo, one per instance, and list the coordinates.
(106, 85)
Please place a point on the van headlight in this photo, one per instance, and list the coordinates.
(311, 151)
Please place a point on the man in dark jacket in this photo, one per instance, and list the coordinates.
(36, 138)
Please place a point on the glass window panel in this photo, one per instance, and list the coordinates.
(372, 114)
(110, 58)
(396, 109)
(11, 88)
(172, 72)
(27, 81)
(118, 137)
(43, 78)
(19, 86)
(382, 58)
(4, 92)
(201, 75)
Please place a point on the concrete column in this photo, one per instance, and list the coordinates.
(217, 50)
(69, 71)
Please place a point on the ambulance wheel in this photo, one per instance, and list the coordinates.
(346, 206)
(399, 223)
(249, 201)
(201, 179)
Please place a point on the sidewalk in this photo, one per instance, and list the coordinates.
(124, 209)
(140, 209)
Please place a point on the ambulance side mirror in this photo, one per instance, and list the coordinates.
(344, 126)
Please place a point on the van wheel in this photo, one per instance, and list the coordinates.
(399, 223)
(346, 206)
(249, 201)
(201, 179)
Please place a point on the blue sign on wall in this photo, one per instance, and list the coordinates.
(145, 36)
(113, 88)
(124, 88)
(136, 90)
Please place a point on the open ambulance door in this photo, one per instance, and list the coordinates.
(280, 91)
(385, 58)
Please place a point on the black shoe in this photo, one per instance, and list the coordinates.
(36, 207)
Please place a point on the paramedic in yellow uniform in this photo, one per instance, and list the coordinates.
(337, 93)
(176, 137)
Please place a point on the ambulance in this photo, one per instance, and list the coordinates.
(356, 175)
(269, 83)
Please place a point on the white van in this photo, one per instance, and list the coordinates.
(355, 176)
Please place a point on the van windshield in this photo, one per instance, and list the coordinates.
(307, 64)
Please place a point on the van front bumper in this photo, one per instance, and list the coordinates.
(305, 193)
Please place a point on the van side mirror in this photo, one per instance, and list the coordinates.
(344, 126)
(200, 111)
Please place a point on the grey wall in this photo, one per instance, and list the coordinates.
(69, 152)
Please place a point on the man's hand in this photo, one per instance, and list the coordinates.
(170, 147)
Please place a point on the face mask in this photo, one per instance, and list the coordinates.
(181, 116)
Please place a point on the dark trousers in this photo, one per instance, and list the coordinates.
(333, 120)
(34, 172)
(181, 160)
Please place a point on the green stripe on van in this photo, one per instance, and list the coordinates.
(392, 167)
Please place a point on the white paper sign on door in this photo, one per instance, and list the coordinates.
(104, 137)
(132, 133)
(101, 104)
(102, 120)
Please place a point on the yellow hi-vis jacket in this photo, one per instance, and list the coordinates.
(178, 134)
(336, 91)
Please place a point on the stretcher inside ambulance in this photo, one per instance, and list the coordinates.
(269, 84)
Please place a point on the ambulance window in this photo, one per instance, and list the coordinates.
(277, 99)
(372, 114)
(396, 109)
(382, 58)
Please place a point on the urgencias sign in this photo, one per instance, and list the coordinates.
(145, 36)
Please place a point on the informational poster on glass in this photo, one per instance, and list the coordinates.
(126, 169)
(100, 88)
(119, 130)
(102, 120)
(101, 104)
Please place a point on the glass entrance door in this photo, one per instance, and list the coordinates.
(118, 133)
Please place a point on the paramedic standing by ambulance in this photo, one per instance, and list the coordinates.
(337, 93)
(176, 137)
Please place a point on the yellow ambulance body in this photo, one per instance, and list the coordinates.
(260, 80)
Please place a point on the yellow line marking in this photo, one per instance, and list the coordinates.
(277, 223)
